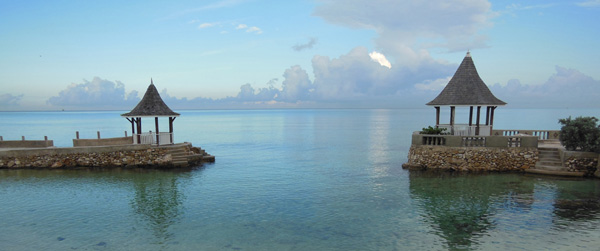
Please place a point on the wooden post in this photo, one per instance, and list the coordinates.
(470, 115)
(138, 122)
(492, 118)
(171, 119)
(98, 134)
(125, 134)
(1, 139)
(487, 115)
(77, 134)
(437, 116)
(156, 124)
(452, 111)
(477, 128)
(23, 138)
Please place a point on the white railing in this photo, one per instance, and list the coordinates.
(541, 134)
(467, 130)
(149, 138)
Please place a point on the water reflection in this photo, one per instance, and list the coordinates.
(465, 208)
(158, 200)
(578, 202)
(460, 207)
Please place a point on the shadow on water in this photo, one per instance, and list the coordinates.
(462, 207)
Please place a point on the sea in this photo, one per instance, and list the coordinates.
(291, 179)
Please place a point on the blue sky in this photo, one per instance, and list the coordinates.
(84, 55)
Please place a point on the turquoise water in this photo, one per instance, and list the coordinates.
(290, 180)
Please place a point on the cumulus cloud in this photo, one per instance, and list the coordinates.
(98, 93)
(565, 88)
(405, 29)
(309, 45)
(9, 100)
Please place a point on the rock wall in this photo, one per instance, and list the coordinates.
(471, 158)
(127, 158)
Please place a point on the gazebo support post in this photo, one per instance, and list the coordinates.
(471, 116)
(157, 132)
(171, 119)
(437, 116)
(477, 127)
(492, 118)
(487, 115)
(139, 130)
(452, 113)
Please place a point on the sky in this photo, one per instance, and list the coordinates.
(256, 54)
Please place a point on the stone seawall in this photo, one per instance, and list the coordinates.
(110, 156)
(471, 158)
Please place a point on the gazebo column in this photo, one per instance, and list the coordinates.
(437, 116)
(477, 127)
(139, 129)
(470, 115)
(171, 119)
(157, 132)
(452, 113)
(493, 108)
(487, 115)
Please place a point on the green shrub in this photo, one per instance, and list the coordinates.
(433, 130)
(581, 133)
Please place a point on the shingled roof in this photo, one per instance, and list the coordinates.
(466, 88)
(151, 105)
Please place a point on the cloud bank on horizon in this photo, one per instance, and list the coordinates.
(401, 72)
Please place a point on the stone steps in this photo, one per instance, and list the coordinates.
(549, 163)
(179, 156)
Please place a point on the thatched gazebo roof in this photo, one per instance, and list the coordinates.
(151, 105)
(466, 89)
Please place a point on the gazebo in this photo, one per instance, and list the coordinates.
(151, 105)
(466, 89)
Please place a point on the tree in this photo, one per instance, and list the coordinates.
(581, 133)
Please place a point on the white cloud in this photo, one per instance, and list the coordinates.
(206, 25)
(589, 3)
(98, 93)
(254, 29)
(406, 27)
(380, 58)
(296, 86)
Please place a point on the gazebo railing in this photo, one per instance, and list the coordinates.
(541, 134)
(466, 130)
(149, 138)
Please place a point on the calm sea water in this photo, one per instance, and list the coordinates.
(290, 180)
